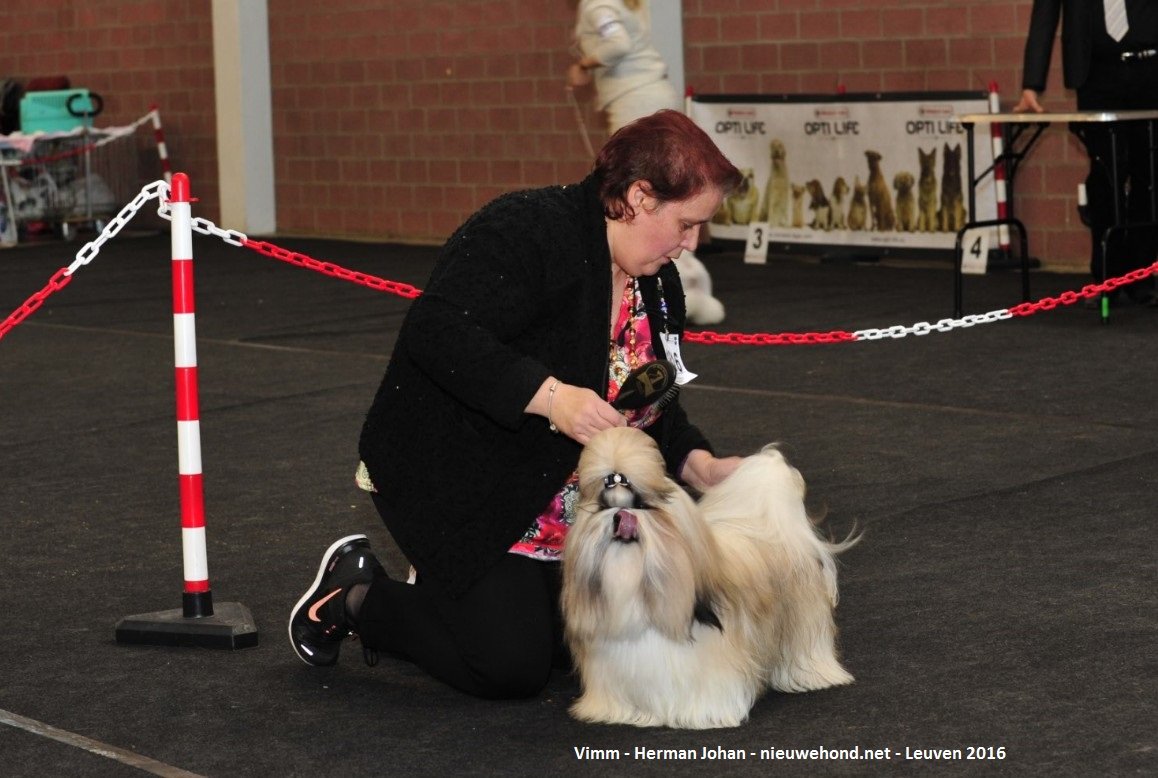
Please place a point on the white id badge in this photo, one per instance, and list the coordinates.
(671, 347)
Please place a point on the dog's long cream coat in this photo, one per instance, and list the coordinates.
(681, 614)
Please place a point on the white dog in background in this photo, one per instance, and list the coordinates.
(702, 307)
(681, 614)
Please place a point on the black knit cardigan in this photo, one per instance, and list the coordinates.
(520, 292)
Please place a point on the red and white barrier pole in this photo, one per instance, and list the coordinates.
(998, 141)
(197, 599)
(162, 149)
(195, 624)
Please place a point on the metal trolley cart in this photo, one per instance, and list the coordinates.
(60, 182)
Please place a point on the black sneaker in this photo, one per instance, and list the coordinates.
(319, 623)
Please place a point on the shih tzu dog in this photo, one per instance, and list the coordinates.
(680, 613)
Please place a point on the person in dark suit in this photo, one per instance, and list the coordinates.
(1109, 74)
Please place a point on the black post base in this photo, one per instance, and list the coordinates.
(231, 626)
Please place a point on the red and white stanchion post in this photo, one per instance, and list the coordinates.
(196, 623)
(197, 599)
(162, 149)
(997, 138)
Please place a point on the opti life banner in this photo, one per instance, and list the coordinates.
(878, 172)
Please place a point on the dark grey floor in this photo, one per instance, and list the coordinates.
(1003, 596)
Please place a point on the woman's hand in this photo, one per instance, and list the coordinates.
(1028, 103)
(578, 76)
(575, 411)
(702, 470)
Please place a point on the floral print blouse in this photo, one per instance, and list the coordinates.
(631, 348)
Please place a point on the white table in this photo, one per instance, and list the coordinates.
(1013, 128)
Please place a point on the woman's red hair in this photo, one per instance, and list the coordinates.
(670, 153)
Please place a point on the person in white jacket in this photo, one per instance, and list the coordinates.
(613, 44)
(614, 52)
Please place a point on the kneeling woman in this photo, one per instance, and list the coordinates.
(539, 306)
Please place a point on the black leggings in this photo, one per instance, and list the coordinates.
(499, 640)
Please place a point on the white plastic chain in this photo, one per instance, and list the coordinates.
(107, 135)
(206, 227)
(118, 222)
(924, 327)
(159, 190)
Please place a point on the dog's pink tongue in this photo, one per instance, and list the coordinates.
(626, 525)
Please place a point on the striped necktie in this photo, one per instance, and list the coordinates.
(1116, 23)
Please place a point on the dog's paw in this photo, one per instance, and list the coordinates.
(809, 675)
(596, 709)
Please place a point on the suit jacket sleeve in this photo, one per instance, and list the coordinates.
(1043, 24)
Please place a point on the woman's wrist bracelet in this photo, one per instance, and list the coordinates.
(550, 403)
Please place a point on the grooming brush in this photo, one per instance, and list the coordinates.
(650, 384)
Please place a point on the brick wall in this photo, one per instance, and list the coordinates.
(133, 54)
(394, 119)
(814, 46)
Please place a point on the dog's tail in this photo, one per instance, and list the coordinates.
(831, 549)
(761, 506)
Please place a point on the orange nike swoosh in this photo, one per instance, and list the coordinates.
(313, 612)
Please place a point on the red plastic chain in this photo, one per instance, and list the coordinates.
(58, 281)
(730, 338)
(328, 268)
(1087, 291)
(411, 292)
(766, 339)
(47, 159)
(63, 277)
